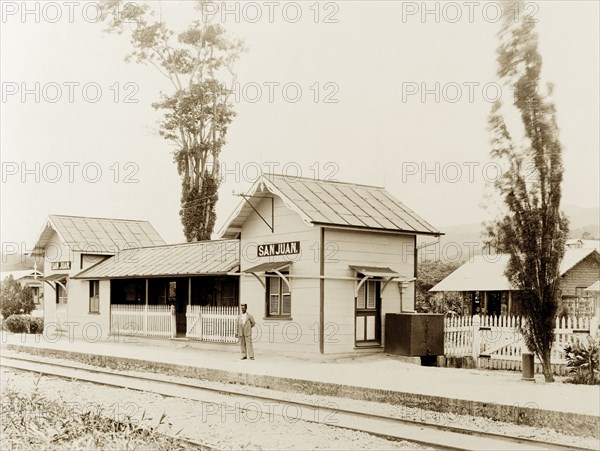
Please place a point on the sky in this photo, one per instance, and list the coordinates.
(393, 94)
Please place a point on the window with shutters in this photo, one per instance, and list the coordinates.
(367, 295)
(279, 297)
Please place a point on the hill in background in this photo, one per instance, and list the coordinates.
(464, 240)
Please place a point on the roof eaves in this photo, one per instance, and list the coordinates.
(288, 202)
(237, 211)
(37, 245)
(378, 229)
(584, 255)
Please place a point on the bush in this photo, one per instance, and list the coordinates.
(28, 324)
(14, 299)
(583, 362)
(37, 325)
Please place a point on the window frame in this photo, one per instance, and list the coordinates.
(282, 291)
(62, 297)
(94, 297)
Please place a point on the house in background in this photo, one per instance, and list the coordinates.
(487, 291)
(31, 278)
(70, 244)
(578, 243)
(594, 291)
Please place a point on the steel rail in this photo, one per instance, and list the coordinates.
(447, 437)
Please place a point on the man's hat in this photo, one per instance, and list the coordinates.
(243, 305)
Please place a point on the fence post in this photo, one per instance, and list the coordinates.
(173, 322)
(145, 332)
(476, 340)
(594, 332)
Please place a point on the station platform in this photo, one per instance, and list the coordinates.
(498, 395)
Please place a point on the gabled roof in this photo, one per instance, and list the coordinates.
(594, 287)
(327, 202)
(97, 235)
(486, 272)
(20, 274)
(187, 259)
(573, 256)
(481, 273)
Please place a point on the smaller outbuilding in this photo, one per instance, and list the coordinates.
(487, 291)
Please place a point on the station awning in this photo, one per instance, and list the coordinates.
(268, 267)
(375, 271)
(55, 277)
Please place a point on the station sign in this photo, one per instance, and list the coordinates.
(58, 266)
(274, 249)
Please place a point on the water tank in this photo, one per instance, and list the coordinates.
(414, 334)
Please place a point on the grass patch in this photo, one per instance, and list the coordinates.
(32, 422)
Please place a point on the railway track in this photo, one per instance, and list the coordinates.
(215, 401)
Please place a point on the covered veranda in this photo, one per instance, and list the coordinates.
(185, 290)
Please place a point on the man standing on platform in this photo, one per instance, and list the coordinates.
(245, 323)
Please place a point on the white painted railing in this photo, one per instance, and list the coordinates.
(499, 338)
(210, 323)
(141, 320)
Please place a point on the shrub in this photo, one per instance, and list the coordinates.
(37, 325)
(583, 362)
(15, 299)
(28, 324)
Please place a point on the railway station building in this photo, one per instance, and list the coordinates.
(319, 264)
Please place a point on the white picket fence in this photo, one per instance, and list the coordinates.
(142, 320)
(498, 337)
(210, 323)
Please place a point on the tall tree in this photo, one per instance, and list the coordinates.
(198, 63)
(532, 228)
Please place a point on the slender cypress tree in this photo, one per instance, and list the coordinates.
(532, 229)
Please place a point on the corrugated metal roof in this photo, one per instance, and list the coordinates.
(486, 272)
(199, 258)
(333, 203)
(98, 235)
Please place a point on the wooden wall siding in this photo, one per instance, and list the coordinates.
(55, 251)
(583, 274)
(273, 333)
(355, 248)
(288, 227)
(78, 293)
